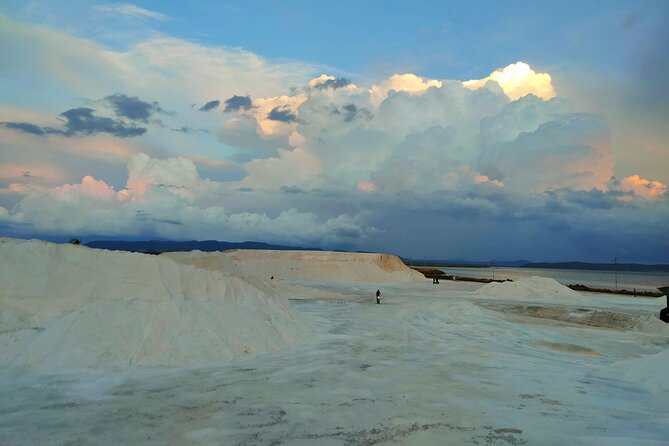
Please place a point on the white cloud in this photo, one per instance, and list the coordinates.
(130, 10)
(290, 167)
(517, 80)
(409, 83)
(150, 68)
(168, 198)
(501, 147)
(285, 109)
(433, 136)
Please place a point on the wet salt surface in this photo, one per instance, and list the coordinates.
(431, 365)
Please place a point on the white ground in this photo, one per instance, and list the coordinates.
(431, 365)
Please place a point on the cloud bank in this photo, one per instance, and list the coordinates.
(422, 167)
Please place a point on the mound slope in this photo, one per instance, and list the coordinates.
(70, 307)
(305, 265)
(530, 289)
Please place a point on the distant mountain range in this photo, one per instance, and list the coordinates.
(158, 246)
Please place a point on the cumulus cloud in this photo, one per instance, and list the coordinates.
(571, 150)
(324, 82)
(168, 198)
(500, 154)
(644, 188)
(517, 80)
(276, 116)
(409, 83)
(426, 136)
(289, 167)
(350, 112)
(282, 114)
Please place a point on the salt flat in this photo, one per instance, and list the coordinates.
(431, 365)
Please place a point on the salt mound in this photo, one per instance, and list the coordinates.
(70, 307)
(648, 372)
(651, 323)
(304, 265)
(530, 289)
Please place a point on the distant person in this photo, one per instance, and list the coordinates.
(271, 278)
(437, 280)
(378, 297)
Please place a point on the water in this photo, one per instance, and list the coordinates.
(596, 279)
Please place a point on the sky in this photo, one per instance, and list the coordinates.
(430, 129)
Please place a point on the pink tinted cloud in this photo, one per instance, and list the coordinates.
(644, 188)
(366, 186)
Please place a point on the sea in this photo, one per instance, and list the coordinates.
(645, 281)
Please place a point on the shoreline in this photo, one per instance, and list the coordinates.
(432, 273)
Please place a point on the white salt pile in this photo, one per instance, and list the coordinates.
(70, 307)
(530, 289)
(650, 372)
(305, 265)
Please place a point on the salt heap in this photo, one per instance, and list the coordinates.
(304, 265)
(530, 289)
(72, 307)
(649, 371)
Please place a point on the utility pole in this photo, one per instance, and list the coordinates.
(493, 269)
(615, 271)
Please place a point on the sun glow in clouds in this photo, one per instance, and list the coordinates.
(642, 187)
(409, 83)
(366, 186)
(517, 80)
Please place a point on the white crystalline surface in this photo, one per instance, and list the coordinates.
(531, 289)
(431, 365)
(68, 307)
(304, 265)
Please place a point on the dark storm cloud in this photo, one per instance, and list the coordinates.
(650, 88)
(335, 83)
(83, 121)
(238, 103)
(282, 114)
(210, 105)
(131, 107)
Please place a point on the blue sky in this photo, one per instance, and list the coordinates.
(344, 126)
(454, 39)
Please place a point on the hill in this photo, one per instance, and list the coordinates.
(158, 246)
